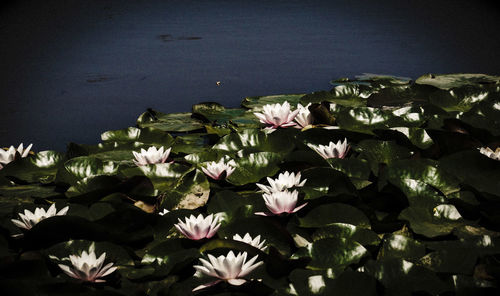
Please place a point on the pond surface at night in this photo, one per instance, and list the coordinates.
(70, 70)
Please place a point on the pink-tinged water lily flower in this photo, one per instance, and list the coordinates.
(333, 150)
(9, 155)
(254, 242)
(216, 170)
(279, 202)
(151, 156)
(276, 115)
(304, 117)
(228, 268)
(490, 153)
(284, 181)
(87, 267)
(196, 228)
(29, 219)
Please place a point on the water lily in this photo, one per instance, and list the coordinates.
(9, 155)
(490, 153)
(87, 267)
(29, 219)
(280, 202)
(196, 228)
(254, 242)
(333, 150)
(277, 115)
(284, 181)
(229, 268)
(219, 170)
(304, 117)
(151, 156)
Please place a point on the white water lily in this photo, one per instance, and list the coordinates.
(151, 156)
(304, 117)
(87, 267)
(29, 219)
(254, 242)
(333, 150)
(281, 202)
(196, 228)
(228, 268)
(284, 181)
(216, 170)
(7, 156)
(277, 115)
(490, 153)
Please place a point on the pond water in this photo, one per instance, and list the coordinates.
(70, 70)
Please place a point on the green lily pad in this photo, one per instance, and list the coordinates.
(326, 182)
(381, 152)
(433, 222)
(164, 176)
(251, 140)
(328, 214)
(348, 231)
(82, 167)
(256, 103)
(218, 114)
(399, 246)
(42, 167)
(401, 277)
(424, 170)
(190, 192)
(332, 253)
(255, 166)
(173, 122)
(474, 169)
(448, 81)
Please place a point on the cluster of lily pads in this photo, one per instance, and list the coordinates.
(380, 186)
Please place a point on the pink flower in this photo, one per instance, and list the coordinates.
(29, 219)
(215, 170)
(333, 150)
(276, 115)
(228, 268)
(304, 117)
(196, 228)
(284, 181)
(9, 155)
(279, 202)
(151, 156)
(87, 267)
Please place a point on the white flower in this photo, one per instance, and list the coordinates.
(151, 156)
(29, 219)
(304, 117)
(165, 211)
(196, 228)
(279, 202)
(87, 267)
(9, 155)
(276, 115)
(333, 150)
(215, 170)
(490, 153)
(284, 181)
(228, 268)
(254, 242)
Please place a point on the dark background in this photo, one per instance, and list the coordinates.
(70, 69)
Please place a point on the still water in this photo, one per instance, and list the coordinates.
(70, 70)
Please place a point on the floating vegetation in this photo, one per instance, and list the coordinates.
(380, 186)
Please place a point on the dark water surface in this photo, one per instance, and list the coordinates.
(70, 70)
